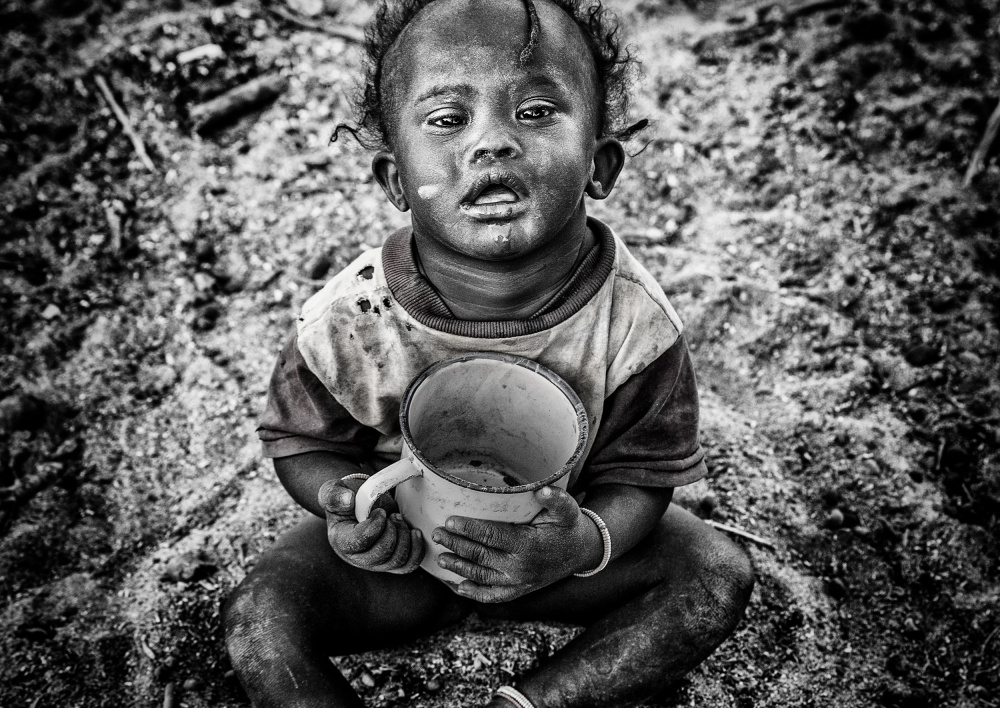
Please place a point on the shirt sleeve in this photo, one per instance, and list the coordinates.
(649, 433)
(303, 416)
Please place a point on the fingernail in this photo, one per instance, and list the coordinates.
(397, 517)
(436, 538)
(546, 491)
(344, 499)
(450, 523)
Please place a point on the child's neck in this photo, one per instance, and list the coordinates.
(480, 290)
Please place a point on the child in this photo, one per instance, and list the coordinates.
(496, 117)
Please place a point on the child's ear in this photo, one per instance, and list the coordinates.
(609, 158)
(387, 175)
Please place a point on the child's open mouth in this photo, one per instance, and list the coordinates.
(495, 195)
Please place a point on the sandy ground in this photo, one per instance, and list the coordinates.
(799, 199)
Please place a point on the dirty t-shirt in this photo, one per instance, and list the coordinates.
(634, 374)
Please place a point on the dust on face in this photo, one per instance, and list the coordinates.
(492, 155)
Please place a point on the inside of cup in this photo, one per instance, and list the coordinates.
(493, 422)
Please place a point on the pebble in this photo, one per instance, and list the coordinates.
(367, 679)
(835, 519)
(51, 312)
(432, 686)
(203, 282)
(205, 51)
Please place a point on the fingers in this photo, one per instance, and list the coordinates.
(493, 534)
(479, 574)
(417, 550)
(336, 499)
(490, 593)
(363, 535)
(380, 543)
(383, 547)
(468, 548)
(559, 506)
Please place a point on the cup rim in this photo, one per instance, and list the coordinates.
(553, 378)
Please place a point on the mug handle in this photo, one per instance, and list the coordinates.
(381, 482)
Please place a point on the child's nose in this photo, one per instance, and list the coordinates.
(492, 141)
(486, 154)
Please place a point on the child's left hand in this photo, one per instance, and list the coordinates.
(504, 561)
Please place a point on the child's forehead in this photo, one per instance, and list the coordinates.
(489, 33)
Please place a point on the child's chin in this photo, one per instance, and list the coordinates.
(495, 241)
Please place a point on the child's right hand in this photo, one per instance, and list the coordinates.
(383, 542)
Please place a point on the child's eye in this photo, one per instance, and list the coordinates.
(535, 112)
(446, 120)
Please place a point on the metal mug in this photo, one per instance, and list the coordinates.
(481, 433)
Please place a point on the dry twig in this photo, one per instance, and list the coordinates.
(237, 102)
(983, 149)
(741, 533)
(137, 144)
(351, 33)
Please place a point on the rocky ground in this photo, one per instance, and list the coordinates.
(799, 195)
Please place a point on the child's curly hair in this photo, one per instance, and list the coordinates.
(615, 66)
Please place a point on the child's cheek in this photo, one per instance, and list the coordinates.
(429, 191)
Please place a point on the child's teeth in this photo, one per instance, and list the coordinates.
(496, 194)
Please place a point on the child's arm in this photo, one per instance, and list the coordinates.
(383, 542)
(505, 561)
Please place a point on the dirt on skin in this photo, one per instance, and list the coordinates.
(800, 199)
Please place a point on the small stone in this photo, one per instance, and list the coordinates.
(203, 282)
(210, 52)
(432, 686)
(367, 680)
(191, 684)
(834, 520)
(51, 312)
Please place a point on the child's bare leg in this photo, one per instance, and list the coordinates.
(652, 616)
(301, 604)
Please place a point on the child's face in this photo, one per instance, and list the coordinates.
(493, 157)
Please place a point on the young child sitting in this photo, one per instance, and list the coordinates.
(495, 118)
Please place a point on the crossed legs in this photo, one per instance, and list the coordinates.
(651, 616)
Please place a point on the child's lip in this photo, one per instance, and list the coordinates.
(498, 178)
(495, 211)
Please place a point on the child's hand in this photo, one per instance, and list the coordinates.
(504, 561)
(383, 542)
